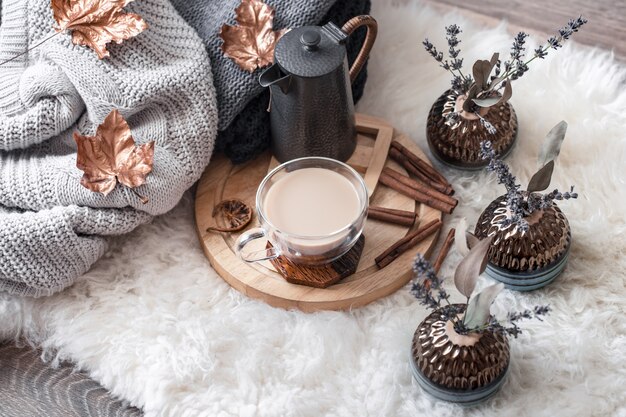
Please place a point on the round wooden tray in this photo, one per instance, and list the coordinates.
(223, 180)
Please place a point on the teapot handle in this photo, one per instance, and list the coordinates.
(372, 30)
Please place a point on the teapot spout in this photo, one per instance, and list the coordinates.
(273, 75)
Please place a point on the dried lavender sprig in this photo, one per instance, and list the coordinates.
(510, 327)
(516, 70)
(452, 118)
(517, 53)
(486, 124)
(456, 63)
(426, 280)
(515, 201)
(543, 201)
(452, 33)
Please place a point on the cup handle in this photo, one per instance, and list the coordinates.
(372, 30)
(250, 235)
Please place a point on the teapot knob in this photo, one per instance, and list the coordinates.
(310, 39)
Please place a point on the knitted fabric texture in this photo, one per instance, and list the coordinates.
(52, 229)
(244, 121)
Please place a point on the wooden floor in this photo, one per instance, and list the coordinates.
(68, 394)
(606, 27)
(31, 388)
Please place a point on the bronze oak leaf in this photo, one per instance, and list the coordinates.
(111, 156)
(251, 43)
(95, 23)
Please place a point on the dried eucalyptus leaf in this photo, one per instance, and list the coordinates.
(494, 60)
(472, 240)
(541, 180)
(552, 143)
(481, 70)
(508, 92)
(471, 94)
(460, 241)
(492, 101)
(487, 102)
(470, 268)
(478, 309)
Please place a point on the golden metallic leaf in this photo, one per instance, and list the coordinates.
(251, 43)
(95, 23)
(111, 156)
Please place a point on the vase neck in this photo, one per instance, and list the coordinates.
(469, 339)
(458, 107)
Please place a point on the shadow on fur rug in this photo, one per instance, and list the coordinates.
(154, 323)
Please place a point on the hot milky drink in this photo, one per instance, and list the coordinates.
(312, 202)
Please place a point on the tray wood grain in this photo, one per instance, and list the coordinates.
(223, 180)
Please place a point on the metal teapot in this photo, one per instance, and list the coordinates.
(311, 105)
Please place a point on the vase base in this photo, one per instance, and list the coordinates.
(529, 281)
(464, 398)
(463, 165)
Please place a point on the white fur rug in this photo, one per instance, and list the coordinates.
(156, 326)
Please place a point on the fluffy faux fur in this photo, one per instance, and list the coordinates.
(158, 327)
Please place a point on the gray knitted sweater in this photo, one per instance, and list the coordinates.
(52, 229)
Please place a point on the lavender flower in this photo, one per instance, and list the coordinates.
(486, 124)
(514, 197)
(452, 32)
(565, 33)
(540, 53)
(539, 202)
(510, 327)
(520, 203)
(452, 118)
(422, 288)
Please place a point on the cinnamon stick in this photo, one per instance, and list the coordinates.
(402, 217)
(407, 243)
(421, 164)
(398, 186)
(420, 187)
(397, 156)
(443, 252)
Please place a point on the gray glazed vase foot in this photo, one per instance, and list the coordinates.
(529, 281)
(464, 398)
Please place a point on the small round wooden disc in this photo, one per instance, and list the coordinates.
(223, 180)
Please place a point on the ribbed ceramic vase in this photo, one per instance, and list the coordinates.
(463, 369)
(459, 145)
(525, 261)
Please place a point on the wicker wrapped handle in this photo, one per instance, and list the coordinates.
(372, 30)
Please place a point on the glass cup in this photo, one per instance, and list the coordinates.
(304, 249)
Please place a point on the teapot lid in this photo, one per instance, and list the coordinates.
(311, 51)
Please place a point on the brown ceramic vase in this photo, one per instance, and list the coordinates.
(530, 260)
(465, 369)
(459, 145)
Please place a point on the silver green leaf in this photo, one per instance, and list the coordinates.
(470, 268)
(552, 144)
(478, 309)
(541, 180)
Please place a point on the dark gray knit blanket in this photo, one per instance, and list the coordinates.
(243, 120)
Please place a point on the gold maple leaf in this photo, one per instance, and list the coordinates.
(111, 156)
(95, 23)
(251, 43)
